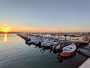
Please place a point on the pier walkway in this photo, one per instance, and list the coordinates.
(86, 64)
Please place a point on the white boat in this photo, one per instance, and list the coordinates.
(34, 40)
(48, 42)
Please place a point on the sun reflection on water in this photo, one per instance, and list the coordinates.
(5, 38)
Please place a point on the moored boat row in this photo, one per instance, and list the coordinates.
(63, 49)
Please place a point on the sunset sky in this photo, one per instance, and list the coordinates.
(45, 15)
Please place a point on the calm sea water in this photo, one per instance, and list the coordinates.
(14, 53)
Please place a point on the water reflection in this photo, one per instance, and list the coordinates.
(9, 39)
(14, 53)
(5, 38)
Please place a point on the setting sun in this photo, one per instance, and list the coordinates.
(5, 29)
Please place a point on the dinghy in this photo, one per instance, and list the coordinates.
(68, 51)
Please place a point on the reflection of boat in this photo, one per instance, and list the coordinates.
(68, 51)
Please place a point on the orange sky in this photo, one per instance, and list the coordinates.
(36, 29)
(27, 28)
(4, 25)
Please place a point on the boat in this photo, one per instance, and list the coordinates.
(34, 40)
(68, 51)
(48, 43)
